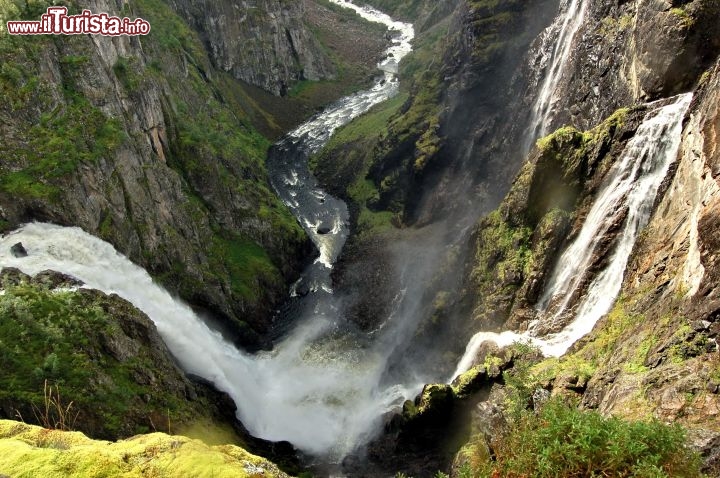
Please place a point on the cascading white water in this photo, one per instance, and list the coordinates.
(629, 189)
(555, 50)
(320, 388)
(324, 400)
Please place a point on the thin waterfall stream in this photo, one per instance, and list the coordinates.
(629, 189)
(555, 52)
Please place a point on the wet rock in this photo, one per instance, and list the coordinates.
(302, 289)
(324, 229)
(56, 280)
(12, 276)
(18, 250)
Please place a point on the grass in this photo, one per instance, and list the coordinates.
(47, 146)
(562, 441)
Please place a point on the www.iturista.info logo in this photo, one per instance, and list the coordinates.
(57, 22)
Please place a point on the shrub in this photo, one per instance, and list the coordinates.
(562, 441)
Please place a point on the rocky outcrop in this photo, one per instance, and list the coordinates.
(114, 375)
(263, 42)
(33, 451)
(425, 435)
(517, 245)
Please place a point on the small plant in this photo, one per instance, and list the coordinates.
(54, 415)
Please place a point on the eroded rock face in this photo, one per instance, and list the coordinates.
(262, 42)
(636, 51)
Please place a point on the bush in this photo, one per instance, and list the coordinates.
(562, 441)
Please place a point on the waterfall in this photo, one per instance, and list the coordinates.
(629, 190)
(555, 50)
(321, 388)
(319, 398)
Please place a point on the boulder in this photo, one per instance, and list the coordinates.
(18, 250)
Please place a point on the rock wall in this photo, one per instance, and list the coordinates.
(635, 51)
(263, 42)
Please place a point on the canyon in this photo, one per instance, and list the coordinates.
(358, 257)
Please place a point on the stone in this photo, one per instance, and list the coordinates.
(18, 250)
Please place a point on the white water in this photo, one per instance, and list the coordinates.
(555, 51)
(630, 187)
(317, 131)
(323, 397)
(320, 388)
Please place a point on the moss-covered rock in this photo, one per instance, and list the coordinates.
(30, 451)
(84, 360)
(517, 244)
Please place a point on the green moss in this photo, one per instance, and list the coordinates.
(248, 266)
(32, 451)
(502, 251)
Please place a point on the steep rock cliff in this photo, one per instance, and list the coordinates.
(635, 51)
(263, 42)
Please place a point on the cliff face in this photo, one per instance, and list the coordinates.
(263, 42)
(627, 52)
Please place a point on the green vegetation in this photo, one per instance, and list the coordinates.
(405, 128)
(44, 148)
(30, 451)
(248, 266)
(562, 441)
(357, 140)
(503, 250)
(59, 339)
(554, 438)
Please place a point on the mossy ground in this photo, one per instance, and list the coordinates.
(30, 451)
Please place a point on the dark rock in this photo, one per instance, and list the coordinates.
(12, 276)
(323, 229)
(302, 289)
(712, 387)
(56, 280)
(18, 250)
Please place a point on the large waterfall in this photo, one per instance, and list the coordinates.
(320, 388)
(629, 190)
